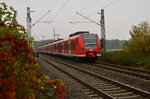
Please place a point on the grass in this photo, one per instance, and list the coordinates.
(121, 58)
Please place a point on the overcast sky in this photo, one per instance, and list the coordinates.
(120, 15)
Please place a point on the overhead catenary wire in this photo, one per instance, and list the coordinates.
(40, 18)
(60, 9)
(47, 27)
(52, 19)
(54, 4)
(87, 18)
(52, 7)
(73, 16)
(93, 13)
(106, 6)
(89, 5)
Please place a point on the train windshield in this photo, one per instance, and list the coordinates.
(90, 40)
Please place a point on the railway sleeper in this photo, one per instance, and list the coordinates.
(112, 89)
(101, 84)
(107, 87)
(95, 96)
(132, 97)
(99, 80)
(123, 94)
(90, 94)
(116, 91)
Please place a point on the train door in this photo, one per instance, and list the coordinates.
(69, 46)
(76, 47)
(63, 48)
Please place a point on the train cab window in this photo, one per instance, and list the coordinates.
(90, 40)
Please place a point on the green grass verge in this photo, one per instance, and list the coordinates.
(120, 57)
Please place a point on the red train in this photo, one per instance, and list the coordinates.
(78, 45)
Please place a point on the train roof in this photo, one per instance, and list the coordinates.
(74, 35)
(77, 33)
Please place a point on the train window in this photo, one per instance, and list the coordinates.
(48, 48)
(66, 46)
(72, 46)
(60, 46)
(90, 40)
(52, 47)
(69, 46)
(63, 46)
(56, 47)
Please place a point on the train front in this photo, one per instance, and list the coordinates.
(92, 46)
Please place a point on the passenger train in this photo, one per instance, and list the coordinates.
(79, 45)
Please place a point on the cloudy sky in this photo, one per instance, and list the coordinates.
(120, 15)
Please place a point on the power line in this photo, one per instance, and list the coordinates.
(54, 4)
(60, 9)
(103, 7)
(87, 18)
(93, 12)
(110, 4)
(40, 18)
(52, 7)
(89, 5)
(73, 16)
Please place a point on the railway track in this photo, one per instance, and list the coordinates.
(132, 72)
(98, 86)
(140, 74)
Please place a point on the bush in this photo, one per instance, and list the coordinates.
(121, 58)
(20, 74)
(140, 39)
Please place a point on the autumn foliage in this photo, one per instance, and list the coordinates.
(139, 43)
(20, 75)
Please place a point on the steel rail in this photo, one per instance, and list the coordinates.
(97, 91)
(135, 90)
(131, 73)
(125, 67)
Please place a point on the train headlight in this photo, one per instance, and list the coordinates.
(91, 54)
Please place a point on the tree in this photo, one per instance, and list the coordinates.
(20, 74)
(139, 43)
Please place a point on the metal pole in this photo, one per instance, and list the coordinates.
(28, 21)
(103, 38)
